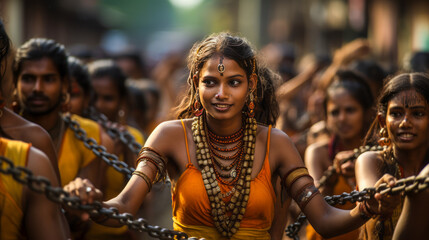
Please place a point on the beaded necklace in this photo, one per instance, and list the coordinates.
(226, 215)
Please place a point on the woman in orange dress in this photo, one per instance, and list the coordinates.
(223, 153)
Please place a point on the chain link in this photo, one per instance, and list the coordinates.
(354, 196)
(56, 194)
(356, 152)
(98, 150)
(124, 136)
(409, 185)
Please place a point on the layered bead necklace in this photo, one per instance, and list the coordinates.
(210, 150)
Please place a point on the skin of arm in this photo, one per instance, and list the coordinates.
(328, 221)
(132, 196)
(26, 131)
(317, 161)
(368, 174)
(43, 218)
(289, 89)
(413, 222)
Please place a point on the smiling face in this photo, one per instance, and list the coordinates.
(345, 116)
(40, 86)
(407, 120)
(223, 95)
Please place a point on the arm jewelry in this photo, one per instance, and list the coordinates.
(145, 178)
(148, 154)
(306, 193)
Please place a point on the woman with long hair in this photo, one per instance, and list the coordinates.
(222, 154)
(402, 126)
(348, 106)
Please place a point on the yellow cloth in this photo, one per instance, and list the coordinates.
(11, 209)
(73, 155)
(340, 187)
(115, 182)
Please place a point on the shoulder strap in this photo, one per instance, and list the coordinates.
(267, 152)
(186, 141)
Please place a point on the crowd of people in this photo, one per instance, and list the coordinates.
(234, 147)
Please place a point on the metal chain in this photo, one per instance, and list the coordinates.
(124, 136)
(56, 194)
(293, 229)
(409, 185)
(356, 152)
(98, 150)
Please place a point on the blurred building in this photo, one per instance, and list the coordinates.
(67, 21)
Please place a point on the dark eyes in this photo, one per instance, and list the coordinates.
(334, 112)
(210, 82)
(31, 78)
(397, 114)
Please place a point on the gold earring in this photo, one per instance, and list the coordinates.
(384, 140)
(251, 106)
(198, 108)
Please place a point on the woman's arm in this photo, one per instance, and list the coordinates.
(368, 171)
(132, 196)
(43, 218)
(327, 220)
(317, 162)
(414, 222)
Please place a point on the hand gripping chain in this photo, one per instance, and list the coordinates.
(356, 152)
(124, 136)
(98, 150)
(56, 194)
(409, 185)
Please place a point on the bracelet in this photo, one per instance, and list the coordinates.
(305, 194)
(293, 175)
(144, 177)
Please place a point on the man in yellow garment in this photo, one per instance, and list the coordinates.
(23, 212)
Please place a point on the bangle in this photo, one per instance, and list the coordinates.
(144, 177)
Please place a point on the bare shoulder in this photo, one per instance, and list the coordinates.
(40, 165)
(370, 160)
(283, 151)
(279, 138)
(24, 130)
(317, 148)
(168, 134)
(316, 151)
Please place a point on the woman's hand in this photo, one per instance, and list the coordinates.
(347, 169)
(385, 204)
(87, 193)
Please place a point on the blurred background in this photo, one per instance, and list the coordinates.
(156, 28)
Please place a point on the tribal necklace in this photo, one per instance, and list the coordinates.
(226, 215)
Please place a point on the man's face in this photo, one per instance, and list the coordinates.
(40, 86)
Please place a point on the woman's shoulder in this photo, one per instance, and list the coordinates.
(171, 128)
(370, 159)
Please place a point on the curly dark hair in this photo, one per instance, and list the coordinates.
(240, 50)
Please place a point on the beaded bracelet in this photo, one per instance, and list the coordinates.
(144, 177)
